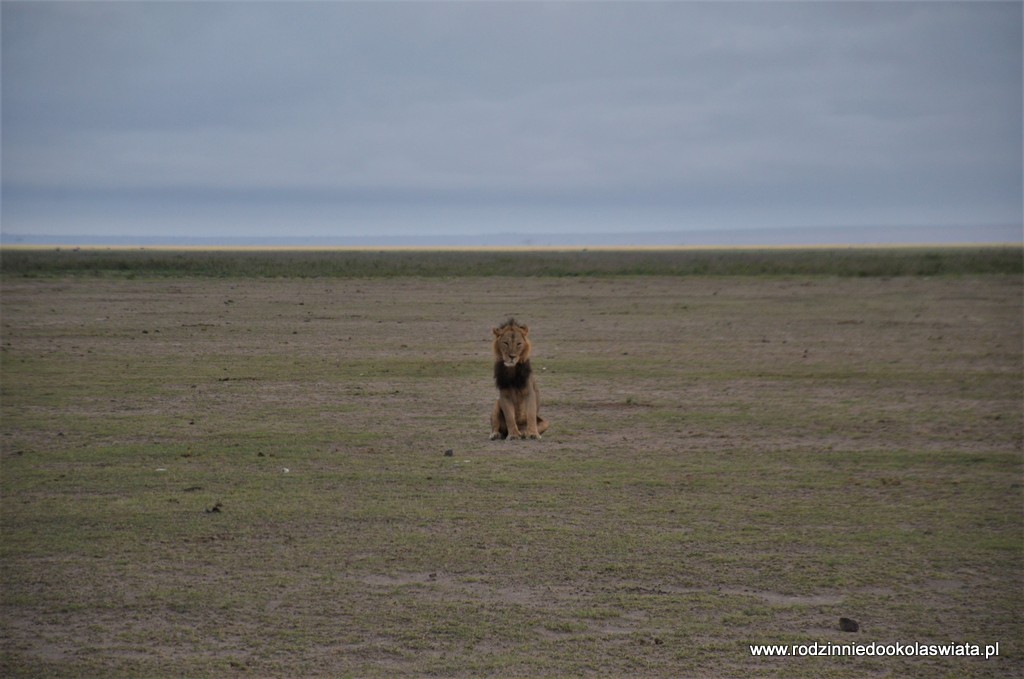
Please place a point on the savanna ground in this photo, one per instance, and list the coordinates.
(250, 476)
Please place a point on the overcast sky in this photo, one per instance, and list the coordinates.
(338, 119)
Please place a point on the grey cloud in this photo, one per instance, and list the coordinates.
(817, 111)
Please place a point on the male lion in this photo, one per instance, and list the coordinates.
(518, 399)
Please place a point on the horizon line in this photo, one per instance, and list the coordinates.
(499, 248)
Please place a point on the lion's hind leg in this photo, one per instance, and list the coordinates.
(542, 425)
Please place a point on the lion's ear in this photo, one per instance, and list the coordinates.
(525, 329)
(496, 331)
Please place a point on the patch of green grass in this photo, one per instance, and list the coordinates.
(857, 262)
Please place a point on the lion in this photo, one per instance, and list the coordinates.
(518, 398)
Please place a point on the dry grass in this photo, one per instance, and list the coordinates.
(731, 461)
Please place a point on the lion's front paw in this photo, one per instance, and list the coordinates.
(514, 435)
(495, 435)
(535, 436)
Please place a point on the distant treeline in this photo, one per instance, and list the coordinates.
(153, 263)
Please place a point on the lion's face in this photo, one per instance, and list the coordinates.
(511, 344)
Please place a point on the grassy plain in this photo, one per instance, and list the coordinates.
(387, 263)
(241, 476)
